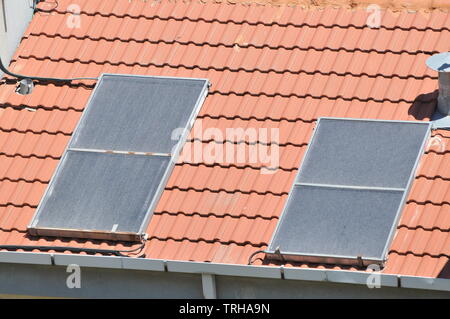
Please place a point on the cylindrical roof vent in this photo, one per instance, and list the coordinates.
(441, 63)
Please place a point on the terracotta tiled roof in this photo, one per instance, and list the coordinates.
(270, 66)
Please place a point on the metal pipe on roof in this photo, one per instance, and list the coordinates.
(441, 63)
(444, 93)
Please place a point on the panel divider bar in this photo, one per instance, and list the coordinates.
(118, 152)
(352, 187)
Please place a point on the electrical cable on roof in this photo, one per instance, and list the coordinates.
(62, 249)
(38, 78)
(115, 252)
(137, 250)
(253, 255)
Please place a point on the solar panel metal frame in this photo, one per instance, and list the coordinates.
(34, 230)
(273, 253)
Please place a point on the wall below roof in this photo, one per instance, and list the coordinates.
(18, 14)
(50, 281)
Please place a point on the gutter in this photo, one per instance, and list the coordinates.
(210, 270)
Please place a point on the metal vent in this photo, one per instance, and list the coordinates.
(441, 63)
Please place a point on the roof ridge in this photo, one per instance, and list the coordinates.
(209, 241)
(447, 179)
(232, 165)
(427, 202)
(199, 190)
(353, 98)
(54, 107)
(15, 130)
(295, 6)
(427, 229)
(227, 68)
(12, 229)
(28, 181)
(408, 252)
(206, 215)
(286, 169)
(262, 93)
(259, 119)
(30, 156)
(40, 107)
(17, 205)
(249, 45)
(438, 152)
(439, 133)
(247, 142)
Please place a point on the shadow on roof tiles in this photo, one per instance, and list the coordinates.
(423, 106)
(445, 272)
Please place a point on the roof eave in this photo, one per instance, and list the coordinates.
(267, 272)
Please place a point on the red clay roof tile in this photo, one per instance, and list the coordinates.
(15, 168)
(411, 265)
(426, 216)
(208, 203)
(15, 218)
(420, 242)
(270, 67)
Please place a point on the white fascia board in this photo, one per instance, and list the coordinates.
(88, 261)
(339, 276)
(109, 262)
(441, 284)
(224, 269)
(304, 274)
(361, 277)
(143, 264)
(25, 258)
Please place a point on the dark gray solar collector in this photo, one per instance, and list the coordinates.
(121, 154)
(348, 195)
